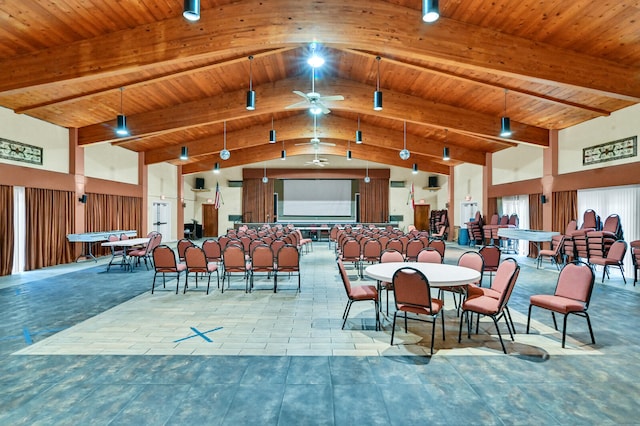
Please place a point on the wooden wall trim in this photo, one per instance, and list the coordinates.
(624, 174)
(102, 186)
(36, 178)
(316, 173)
(530, 186)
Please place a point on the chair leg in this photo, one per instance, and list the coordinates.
(466, 316)
(433, 333)
(593, 339)
(495, 321)
(513, 327)
(555, 324)
(393, 329)
(529, 318)
(346, 313)
(434, 326)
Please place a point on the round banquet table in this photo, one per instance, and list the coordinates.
(438, 274)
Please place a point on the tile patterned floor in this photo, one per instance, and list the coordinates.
(79, 345)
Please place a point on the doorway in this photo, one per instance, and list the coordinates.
(209, 220)
(421, 216)
(162, 218)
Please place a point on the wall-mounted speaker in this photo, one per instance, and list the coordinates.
(543, 199)
(433, 181)
(199, 183)
(83, 199)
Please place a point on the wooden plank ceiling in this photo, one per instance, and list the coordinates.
(553, 63)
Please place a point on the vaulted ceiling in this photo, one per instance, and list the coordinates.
(560, 62)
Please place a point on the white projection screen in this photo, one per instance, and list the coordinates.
(316, 197)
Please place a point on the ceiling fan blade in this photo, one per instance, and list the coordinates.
(303, 144)
(327, 144)
(299, 93)
(297, 105)
(324, 108)
(332, 98)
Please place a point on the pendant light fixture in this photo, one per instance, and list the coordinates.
(191, 11)
(265, 179)
(225, 154)
(251, 94)
(121, 122)
(184, 153)
(283, 154)
(377, 95)
(445, 150)
(414, 169)
(358, 133)
(405, 154)
(272, 133)
(505, 128)
(430, 11)
(367, 179)
(216, 168)
(348, 150)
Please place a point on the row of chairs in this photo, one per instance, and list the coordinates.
(138, 253)
(232, 260)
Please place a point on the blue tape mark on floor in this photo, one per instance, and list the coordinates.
(28, 336)
(199, 333)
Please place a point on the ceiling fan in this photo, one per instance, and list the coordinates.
(315, 141)
(314, 99)
(320, 162)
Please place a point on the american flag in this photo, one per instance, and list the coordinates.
(412, 197)
(218, 201)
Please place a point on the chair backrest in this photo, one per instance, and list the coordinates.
(413, 248)
(635, 252)
(411, 287)
(233, 257)
(182, 247)
(557, 242)
(113, 237)
(395, 244)
(513, 220)
(154, 241)
(350, 249)
(195, 258)
(504, 220)
(371, 249)
(494, 219)
(589, 220)
(472, 260)
(505, 271)
(164, 258)
(345, 278)
(491, 256)
(617, 251)
(391, 255)
(571, 226)
(276, 245)
(384, 239)
(333, 233)
(246, 243)
(429, 255)
(288, 257)
(223, 240)
(212, 250)
(576, 282)
(255, 243)
(262, 257)
(439, 245)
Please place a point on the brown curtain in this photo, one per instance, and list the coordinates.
(6, 229)
(257, 200)
(49, 218)
(491, 209)
(111, 213)
(374, 201)
(565, 209)
(535, 219)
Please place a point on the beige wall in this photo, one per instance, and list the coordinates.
(110, 162)
(53, 139)
(468, 182)
(571, 141)
(518, 163)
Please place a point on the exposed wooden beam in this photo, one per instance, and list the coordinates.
(272, 152)
(391, 30)
(145, 80)
(485, 83)
(329, 126)
(275, 97)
